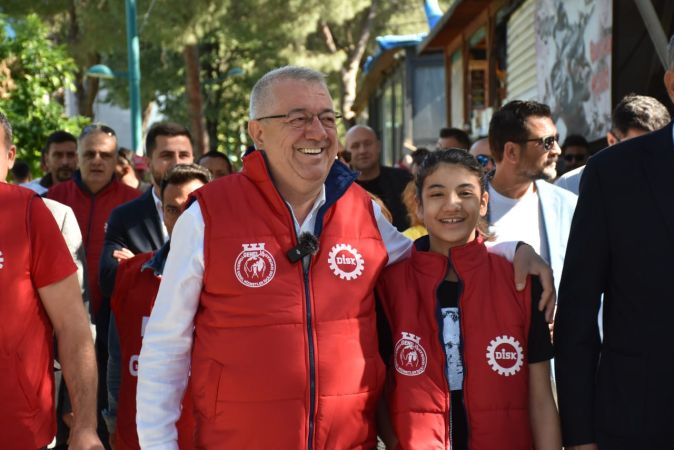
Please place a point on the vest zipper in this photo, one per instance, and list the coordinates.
(462, 346)
(441, 327)
(312, 363)
(91, 219)
(310, 338)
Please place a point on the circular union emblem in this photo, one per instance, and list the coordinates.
(345, 262)
(409, 356)
(255, 266)
(505, 355)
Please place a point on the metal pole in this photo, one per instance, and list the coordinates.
(134, 74)
(654, 28)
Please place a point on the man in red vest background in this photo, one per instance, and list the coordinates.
(40, 298)
(136, 285)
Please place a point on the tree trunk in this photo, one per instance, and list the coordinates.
(349, 72)
(195, 102)
(86, 88)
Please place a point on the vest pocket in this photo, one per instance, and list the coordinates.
(205, 389)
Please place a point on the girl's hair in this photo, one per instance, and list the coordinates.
(458, 157)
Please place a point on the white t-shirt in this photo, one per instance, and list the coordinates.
(518, 220)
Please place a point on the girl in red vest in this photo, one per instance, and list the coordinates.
(469, 355)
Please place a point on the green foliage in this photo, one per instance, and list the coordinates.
(33, 76)
(237, 41)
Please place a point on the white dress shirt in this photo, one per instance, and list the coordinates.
(164, 361)
(160, 211)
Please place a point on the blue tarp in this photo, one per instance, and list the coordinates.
(392, 42)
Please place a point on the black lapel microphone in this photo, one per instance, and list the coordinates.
(307, 244)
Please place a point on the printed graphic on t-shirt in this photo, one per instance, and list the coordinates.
(451, 334)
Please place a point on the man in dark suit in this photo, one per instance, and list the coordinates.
(619, 394)
(137, 226)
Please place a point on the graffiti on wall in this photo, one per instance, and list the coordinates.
(573, 47)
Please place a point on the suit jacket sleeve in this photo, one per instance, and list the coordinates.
(576, 334)
(115, 238)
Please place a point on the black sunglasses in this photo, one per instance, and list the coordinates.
(573, 157)
(484, 160)
(548, 142)
(97, 127)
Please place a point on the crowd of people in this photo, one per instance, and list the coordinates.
(309, 303)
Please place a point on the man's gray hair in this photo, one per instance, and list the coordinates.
(96, 128)
(670, 53)
(260, 96)
(7, 128)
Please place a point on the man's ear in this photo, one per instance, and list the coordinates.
(12, 156)
(256, 133)
(669, 83)
(511, 153)
(611, 138)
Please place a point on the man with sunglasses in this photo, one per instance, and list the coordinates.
(634, 116)
(523, 206)
(93, 193)
(575, 151)
(481, 151)
(617, 394)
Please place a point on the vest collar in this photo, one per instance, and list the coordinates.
(464, 258)
(339, 179)
(77, 178)
(158, 260)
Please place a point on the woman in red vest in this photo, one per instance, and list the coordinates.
(469, 363)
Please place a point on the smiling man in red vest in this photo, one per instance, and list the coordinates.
(267, 294)
(40, 298)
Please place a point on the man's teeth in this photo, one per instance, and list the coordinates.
(310, 151)
(451, 220)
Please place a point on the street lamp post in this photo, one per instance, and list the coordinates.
(133, 51)
(133, 74)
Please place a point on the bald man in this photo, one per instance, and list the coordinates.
(387, 183)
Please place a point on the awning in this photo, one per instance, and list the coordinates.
(452, 23)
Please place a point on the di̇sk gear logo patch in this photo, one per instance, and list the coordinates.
(409, 356)
(505, 355)
(346, 262)
(255, 266)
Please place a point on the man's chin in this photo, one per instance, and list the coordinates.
(64, 175)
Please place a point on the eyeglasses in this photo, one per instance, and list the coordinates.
(574, 157)
(484, 160)
(548, 142)
(301, 119)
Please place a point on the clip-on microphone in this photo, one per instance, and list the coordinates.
(306, 245)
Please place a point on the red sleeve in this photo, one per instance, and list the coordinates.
(50, 259)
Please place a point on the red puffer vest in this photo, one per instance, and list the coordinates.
(282, 358)
(136, 287)
(495, 321)
(26, 391)
(92, 212)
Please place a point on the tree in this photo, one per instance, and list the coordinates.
(34, 74)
